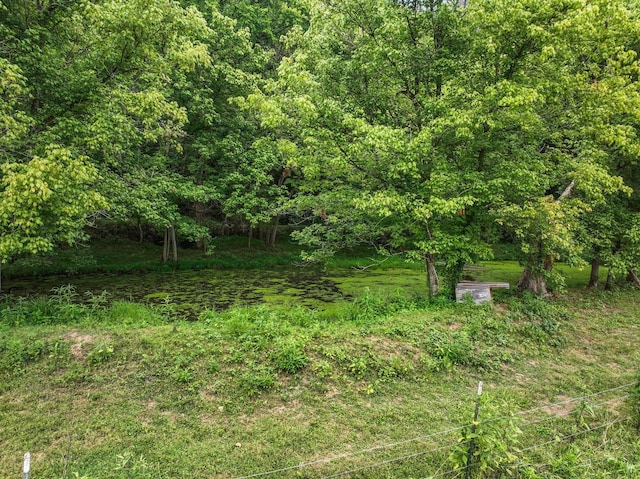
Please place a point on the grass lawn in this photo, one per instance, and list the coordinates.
(121, 391)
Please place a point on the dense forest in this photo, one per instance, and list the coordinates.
(425, 128)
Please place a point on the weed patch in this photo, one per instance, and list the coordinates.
(126, 391)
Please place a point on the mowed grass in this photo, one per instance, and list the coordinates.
(122, 391)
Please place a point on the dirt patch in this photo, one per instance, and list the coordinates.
(332, 392)
(285, 409)
(500, 308)
(207, 419)
(386, 347)
(76, 342)
(562, 407)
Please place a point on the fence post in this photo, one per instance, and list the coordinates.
(474, 424)
(26, 467)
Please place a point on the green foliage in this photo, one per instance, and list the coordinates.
(14, 123)
(449, 349)
(218, 383)
(59, 308)
(289, 356)
(257, 378)
(100, 353)
(495, 444)
(372, 306)
(16, 354)
(481, 126)
(543, 319)
(57, 200)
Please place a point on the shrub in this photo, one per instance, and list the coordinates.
(449, 348)
(289, 354)
(542, 319)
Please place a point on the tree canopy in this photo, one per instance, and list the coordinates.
(431, 129)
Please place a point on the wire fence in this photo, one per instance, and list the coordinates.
(565, 421)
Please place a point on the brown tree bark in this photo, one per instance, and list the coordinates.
(273, 232)
(533, 281)
(165, 246)
(174, 243)
(632, 277)
(140, 232)
(169, 245)
(432, 275)
(609, 284)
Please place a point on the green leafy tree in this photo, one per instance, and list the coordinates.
(362, 96)
(45, 201)
(589, 100)
(97, 79)
(46, 198)
(426, 128)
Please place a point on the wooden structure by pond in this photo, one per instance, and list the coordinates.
(479, 291)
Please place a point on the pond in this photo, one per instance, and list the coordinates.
(191, 292)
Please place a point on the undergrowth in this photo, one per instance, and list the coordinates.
(374, 339)
(151, 385)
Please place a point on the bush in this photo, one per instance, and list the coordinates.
(289, 355)
(542, 319)
(449, 348)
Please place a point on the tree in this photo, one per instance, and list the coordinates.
(363, 95)
(590, 98)
(45, 201)
(45, 198)
(97, 79)
(423, 128)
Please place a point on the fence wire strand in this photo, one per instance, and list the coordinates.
(561, 403)
(388, 461)
(355, 453)
(446, 431)
(521, 464)
(552, 417)
(579, 433)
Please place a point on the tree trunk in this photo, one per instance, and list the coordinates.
(454, 275)
(609, 284)
(432, 275)
(273, 232)
(595, 272)
(165, 246)
(140, 232)
(201, 243)
(175, 244)
(250, 236)
(533, 281)
(632, 277)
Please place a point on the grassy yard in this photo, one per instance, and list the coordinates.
(124, 391)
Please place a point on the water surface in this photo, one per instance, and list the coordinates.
(191, 292)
